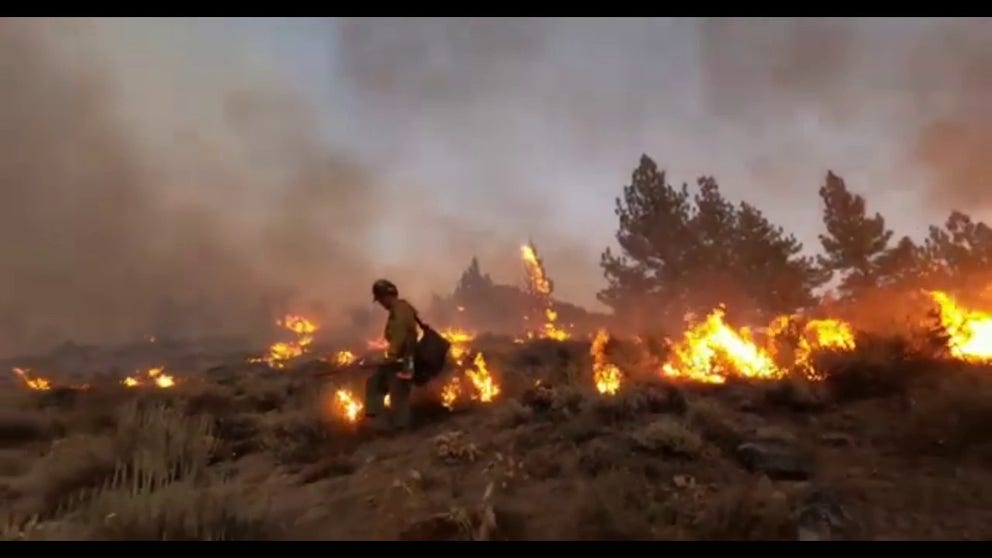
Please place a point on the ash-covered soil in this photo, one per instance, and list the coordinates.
(890, 446)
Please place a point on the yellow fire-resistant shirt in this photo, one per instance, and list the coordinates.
(401, 330)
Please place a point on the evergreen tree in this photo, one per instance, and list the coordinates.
(682, 254)
(960, 253)
(853, 242)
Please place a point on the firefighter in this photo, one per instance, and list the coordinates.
(394, 375)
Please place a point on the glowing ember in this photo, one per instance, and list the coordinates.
(450, 392)
(969, 332)
(711, 350)
(155, 375)
(541, 288)
(40, 384)
(344, 358)
(460, 342)
(605, 375)
(280, 352)
(483, 383)
(347, 405)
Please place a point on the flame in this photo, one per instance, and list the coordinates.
(347, 405)
(387, 401)
(969, 332)
(605, 375)
(280, 352)
(39, 384)
(486, 388)
(711, 350)
(155, 374)
(460, 342)
(818, 335)
(344, 358)
(540, 286)
(450, 392)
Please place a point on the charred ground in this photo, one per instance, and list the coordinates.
(893, 444)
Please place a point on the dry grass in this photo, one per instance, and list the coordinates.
(951, 417)
(551, 458)
(756, 511)
(669, 437)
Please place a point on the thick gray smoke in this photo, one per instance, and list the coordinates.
(107, 234)
(158, 180)
(927, 81)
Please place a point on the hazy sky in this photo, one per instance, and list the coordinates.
(402, 148)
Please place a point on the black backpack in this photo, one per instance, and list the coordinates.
(430, 356)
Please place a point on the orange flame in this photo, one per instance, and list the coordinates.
(344, 358)
(347, 406)
(486, 388)
(969, 332)
(450, 392)
(711, 351)
(605, 375)
(281, 352)
(460, 342)
(155, 374)
(541, 287)
(819, 335)
(39, 384)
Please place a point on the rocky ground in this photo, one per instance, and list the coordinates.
(889, 447)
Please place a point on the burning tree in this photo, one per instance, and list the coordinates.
(540, 287)
(689, 253)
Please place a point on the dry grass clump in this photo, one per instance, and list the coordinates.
(137, 503)
(951, 417)
(670, 437)
(481, 522)
(798, 393)
(150, 481)
(640, 398)
(296, 437)
(616, 505)
(756, 511)
(715, 423)
(455, 447)
(875, 368)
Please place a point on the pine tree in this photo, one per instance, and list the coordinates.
(684, 254)
(960, 253)
(853, 241)
(654, 238)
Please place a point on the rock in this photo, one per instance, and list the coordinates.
(820, 517)
(778, 459)
(837, 439)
